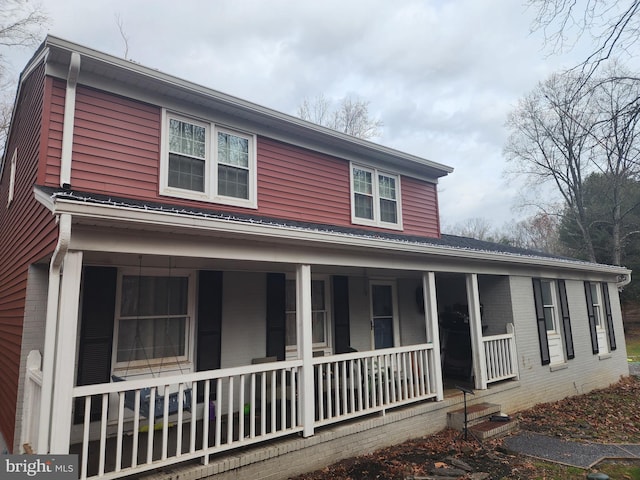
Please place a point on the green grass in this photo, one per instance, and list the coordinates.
(633, 346)
(627, 470)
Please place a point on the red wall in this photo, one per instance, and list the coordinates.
(27, 234)
(116, 150)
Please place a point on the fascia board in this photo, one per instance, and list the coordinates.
(131, 217)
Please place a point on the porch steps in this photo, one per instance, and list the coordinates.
(483, 420)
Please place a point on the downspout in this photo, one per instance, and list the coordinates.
(55, 267)
(69, 118)
(50, 332)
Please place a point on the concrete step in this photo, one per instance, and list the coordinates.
(476, 413)
(492, 429)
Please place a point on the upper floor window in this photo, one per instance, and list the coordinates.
(203, 161)
(375, 198)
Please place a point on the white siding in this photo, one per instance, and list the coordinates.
(244, 334)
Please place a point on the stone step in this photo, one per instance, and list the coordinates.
(475, 414)
(493, 429)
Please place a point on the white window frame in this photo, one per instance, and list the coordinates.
(292, 350)
(376, 221)
(210, 193)
(156, 365)
(12, 177)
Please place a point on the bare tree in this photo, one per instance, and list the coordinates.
(617, 137)
(351, 116)
(125, 37)
(613, 25)
(21, 25)
(479, 228)
(551, 140)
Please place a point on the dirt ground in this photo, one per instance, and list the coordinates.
(609, 415)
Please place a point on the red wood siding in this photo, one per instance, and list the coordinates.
(420, 207)
(116, 150)
(298, 184)
(28, 234)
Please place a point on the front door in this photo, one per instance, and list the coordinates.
(383, 315)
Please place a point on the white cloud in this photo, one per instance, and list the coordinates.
(441, 75)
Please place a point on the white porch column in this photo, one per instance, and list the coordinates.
(475, 327)
(305, 346)
(65, 349)
(433, 330)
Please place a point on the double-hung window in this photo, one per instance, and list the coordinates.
(375, 198)
(153, 320)
(319, 314)
(204, 161)
(553, 321)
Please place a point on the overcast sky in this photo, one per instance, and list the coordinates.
(442, 75)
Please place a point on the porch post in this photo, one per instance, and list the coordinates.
(475, 327)
(65, 349)
(305, 346)
(433, 330)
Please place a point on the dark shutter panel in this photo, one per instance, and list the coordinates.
(542, 327)
(592, 318)
(607, 308)
(341, 329)
(566, 320)
(276, 318)
(96, 333)
(208, 344)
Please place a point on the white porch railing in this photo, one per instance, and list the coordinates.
(355, 384)
(31, 402)
(229, 408)
(500, 356)
(235, 407)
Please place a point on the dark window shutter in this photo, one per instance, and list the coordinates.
(209, 341)
(542, 327)
(566, 320)
(276, 318)
(592, 318)
(209, 320)
(96, 333)
(607, 307)
(341, 329)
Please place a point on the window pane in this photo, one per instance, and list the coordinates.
(387, 187)
(187, 138)
(233, 150)
(547, 298)
(186, 173)
(363, 206)
(317, 327)
(151, 338)
(291, 329)
(317, 295)
(382, 301)
(362, 182)
(290, 296)
(147, 296)
(549, 319)
(388, 211)
(233, 182)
